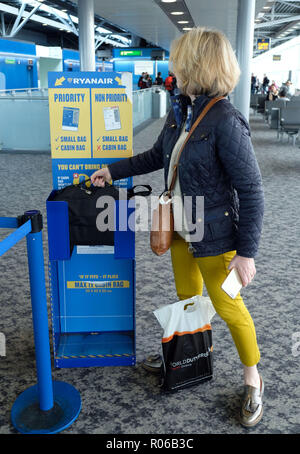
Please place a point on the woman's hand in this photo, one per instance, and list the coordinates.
(100, 177)
(245, 267)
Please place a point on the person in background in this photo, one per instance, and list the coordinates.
(287, 86)
(253, 83)
(149, 82)
(159, 80)
(169, 83)
(142, 81)
(257, 86)
(175, 88)
(265, 84)
(272, 93)
(219, 165)
(283, 95)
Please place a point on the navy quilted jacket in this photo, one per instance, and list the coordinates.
(219, 163)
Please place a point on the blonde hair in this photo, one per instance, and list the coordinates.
(204, 62)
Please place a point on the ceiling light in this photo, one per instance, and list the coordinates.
(266, 7)
(168, 1)
(45, 25)
(177, 13)
(64, 10)
(187, 28)
(182, 21)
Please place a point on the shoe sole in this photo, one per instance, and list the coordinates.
(153, 370)
(254, 423)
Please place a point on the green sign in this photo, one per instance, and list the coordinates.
(131, 53)
(10, 61)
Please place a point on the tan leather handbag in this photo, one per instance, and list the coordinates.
(162, 227)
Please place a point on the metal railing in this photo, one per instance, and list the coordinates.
(24, 93)
(24, 116)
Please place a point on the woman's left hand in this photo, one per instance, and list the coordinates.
(245, 267)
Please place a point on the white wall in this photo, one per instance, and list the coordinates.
(45, 65)
(279, 70)
(50, 59)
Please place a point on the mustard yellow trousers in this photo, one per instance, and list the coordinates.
(190, 273)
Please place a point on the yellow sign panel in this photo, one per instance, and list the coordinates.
(97, 284)
(112, 123)
(70, 127)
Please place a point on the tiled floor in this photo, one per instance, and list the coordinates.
(128, 400)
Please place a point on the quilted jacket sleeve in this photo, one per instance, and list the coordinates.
(235, 150)
(142, 163)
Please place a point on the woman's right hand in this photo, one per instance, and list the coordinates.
(100, 177)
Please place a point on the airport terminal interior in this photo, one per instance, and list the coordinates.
(44, 49)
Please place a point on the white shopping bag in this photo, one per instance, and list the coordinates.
(186, 342)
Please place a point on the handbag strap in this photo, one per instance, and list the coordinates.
(201, 116)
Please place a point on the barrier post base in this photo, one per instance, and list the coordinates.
(28, 418)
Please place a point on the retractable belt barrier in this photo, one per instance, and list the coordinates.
(49, 406)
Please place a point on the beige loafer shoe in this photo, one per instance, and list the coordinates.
(252, 406)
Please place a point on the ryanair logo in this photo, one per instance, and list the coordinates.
(59, 81)
(117, 79)
(88, 81)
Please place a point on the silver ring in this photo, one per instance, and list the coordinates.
(162, 201)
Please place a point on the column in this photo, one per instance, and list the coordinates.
(244, 51)
(86, 35)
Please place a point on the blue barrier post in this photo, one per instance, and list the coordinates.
(40, 319)
(50, 406)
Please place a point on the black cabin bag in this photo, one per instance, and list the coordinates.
(83, 211)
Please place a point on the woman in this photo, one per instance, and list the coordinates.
(219, 163)
(272, 93)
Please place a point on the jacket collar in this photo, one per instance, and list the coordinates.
(200, 101)
(181, 102)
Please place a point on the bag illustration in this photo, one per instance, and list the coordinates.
(187, 348)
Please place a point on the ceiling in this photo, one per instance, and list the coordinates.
(147, 19)
(213, 13)
(279, 21)
(143, 18)
(153, 21)
(54, 22)
(146, 22)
